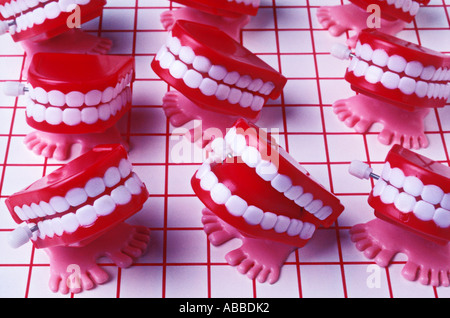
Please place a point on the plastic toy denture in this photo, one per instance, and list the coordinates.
(255, 191)
(70, 104)
(355, 16)
(39, 20)
(215, 75)
(226, 8)
(399, 82)
(77, 215)
(412, 203)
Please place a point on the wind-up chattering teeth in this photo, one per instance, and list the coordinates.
(398, 83)
(388, 16)
(216, 78)
(52, 26)
(77, 213)
(69, 104)
(255, 191)
(411, 199)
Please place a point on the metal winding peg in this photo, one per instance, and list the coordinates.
(361, 170)
(5, 25)
(21, 235)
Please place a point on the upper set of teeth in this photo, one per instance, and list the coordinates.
(254, 3)
(427, 202)
(37, 15)
(405, 5)
(198, 72)
(409, 77)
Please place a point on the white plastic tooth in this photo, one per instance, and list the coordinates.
(52, 10)
(304, 199)
(192, 79)
(89, 115)
(257, 103)
(236, 205)
(244, 81)
(404, 202)
(111, 177)
(366, 52)
(431, 89)
(414, 69)
(66, 5)
(121, 195)
(407, 85)
(295, 227)
(445, 202)
(178, 69)
(235, 96)
(75, 99)
(82, 2)
(86, 215)
(208, 87)
(253, 215)
(37, 210)
(307, 231)
(187, 55)
(389, 194)
(174, 45)
(397, 63)
(399, 3)
(266, 170)
(361, 68)
(390, 80)
(133, 186)
(208, 181)
(323, 213)
(160, 53)
(294, 192)
(380, 57)
(231, 78)
(223, 91)
(76, 196)
(251, 157)
(314, 206)
(432, 194)
(255, 85)
(69, 222)
(397, 178)
(379, 187)
(93, 98)
(104, 112)
(71, 116)
(104, 205)
(424, 211)
(353, 63)
(267, 88)
(38, 16)
(437, 74)
(238, 144)
(414, 8)
(413, 186)
(281, 183)
(47, 228)
(421, 89)
(282, 224)
(28, 212)
(38, 113)
(166, 60)
(107, 95)
(217, 72)
(125, 168)
(94, 187)
(427, 73)
(57, 227)
(358, 49)
(373, 74)
(41, 95)
(268, 221)
(220, 193)
(202, 64)
(204, 168)
(246, 99)
(59, 204)
(442, 218)
(47, 208)
(15, 7)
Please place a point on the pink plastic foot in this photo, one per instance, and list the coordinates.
(231, 26)
(257, 258)
(180, 110)
(400, 126)
(59, 146)
(342, 18)
(72, 41)
(427, 261)
(74, 269)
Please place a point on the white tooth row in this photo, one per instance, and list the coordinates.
(77, 196)
(406, 5)
(76, 116)
(236, 145)
(50, 11)
(78, 99)
(416, 197)
(420, 80)
(198, 72)
(254, 3)
(253, 215)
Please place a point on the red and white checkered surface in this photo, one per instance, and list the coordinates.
(180, 262)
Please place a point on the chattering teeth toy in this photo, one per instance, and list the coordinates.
(74, 99)
(398, 83)
(216, 78)
(411, 199)
(359, 15)
(52, 26)
(255, 191)
(229, 16)
(77, 213)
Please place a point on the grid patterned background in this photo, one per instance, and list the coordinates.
(180, 262)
